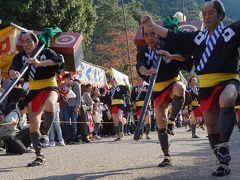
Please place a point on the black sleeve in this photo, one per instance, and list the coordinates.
(17, 62)
(236, 27)
(142, 61)
(57, 58)
(180, 42)
(52, 55)
(185, 65)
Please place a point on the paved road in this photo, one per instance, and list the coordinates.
(127, 159)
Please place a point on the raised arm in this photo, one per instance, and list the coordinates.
(147, 23)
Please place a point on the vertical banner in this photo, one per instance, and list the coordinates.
(90, 74)
(8, 40)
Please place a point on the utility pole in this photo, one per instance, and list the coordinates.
(182, 7)
(128, 47)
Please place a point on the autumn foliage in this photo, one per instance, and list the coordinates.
(117, 52)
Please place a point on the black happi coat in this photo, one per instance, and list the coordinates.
(194, 95)
(119, 93)
(166, 71)
(41, 72)
(136, 95)
(224, 57)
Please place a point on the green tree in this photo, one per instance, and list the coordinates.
(110, 24)
(166, 8)
(69, 15)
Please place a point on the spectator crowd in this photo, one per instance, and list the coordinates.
(83, 114)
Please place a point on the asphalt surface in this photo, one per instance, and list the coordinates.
(127, 159)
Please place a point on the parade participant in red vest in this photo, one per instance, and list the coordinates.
(43, 88)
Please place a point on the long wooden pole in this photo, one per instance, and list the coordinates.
(147, 100)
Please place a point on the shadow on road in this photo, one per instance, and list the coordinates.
(10, 169)
(95, 175)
